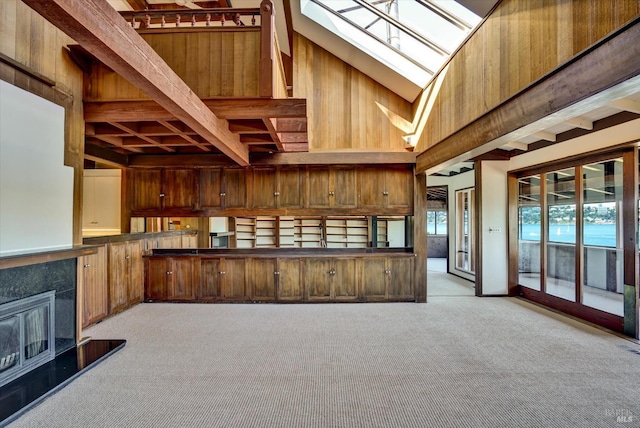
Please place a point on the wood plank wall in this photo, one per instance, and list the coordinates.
(345, 108)
(213, 64)
(30, 40)
(520, 42)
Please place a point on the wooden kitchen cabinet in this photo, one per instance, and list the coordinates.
(387, 278)
(331, 279)
(170, 278)
(126, 274)
(263, 278)
(161, 190)
(290, 282)
(92, 277)
(275, 279)
(221, 188)
(331, 187)
(276, 187)
(385, 188)
(223, 278)
(145, 188)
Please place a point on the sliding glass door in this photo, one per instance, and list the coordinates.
(570, 238)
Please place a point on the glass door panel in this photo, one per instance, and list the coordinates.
(561, 232)
(529, 231)
(465, 248)
(602, 286)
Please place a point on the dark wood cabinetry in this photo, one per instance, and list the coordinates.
(290, 189)
(125, 274)
(157, 190)
(385, 188)
(387, 278)
(270, 277)
(331, 187)
(92, 277)
(331, 279)
(170, 278)
(221, 188)
(276, 187)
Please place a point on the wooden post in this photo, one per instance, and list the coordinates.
(420, 236)
(630, 244)
(267, 35)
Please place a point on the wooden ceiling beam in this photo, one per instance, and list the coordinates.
(247, 126)
(272, 131)
(291, 124)
(101, 30)
(225, 108)
(612, 62)
(133, 130)
(185, 135)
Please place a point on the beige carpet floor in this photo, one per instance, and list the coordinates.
(454, 362)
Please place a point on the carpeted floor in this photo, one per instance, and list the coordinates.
(454, 362)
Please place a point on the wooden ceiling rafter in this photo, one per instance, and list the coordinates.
(101, 30)
(133, 131)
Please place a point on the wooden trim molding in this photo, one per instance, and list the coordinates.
(7, 262)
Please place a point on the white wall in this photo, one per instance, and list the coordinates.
(461, 181)
(494, 207)
(36, 189)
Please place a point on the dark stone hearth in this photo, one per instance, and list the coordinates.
(25, 392)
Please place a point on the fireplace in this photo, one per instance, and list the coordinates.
(26, 335)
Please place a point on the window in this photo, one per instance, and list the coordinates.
(413, 37)
(437, 222)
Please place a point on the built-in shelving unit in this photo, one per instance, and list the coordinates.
(245, 232)
(309, 232)
(266, 232)
(286, 232)
(347, 232)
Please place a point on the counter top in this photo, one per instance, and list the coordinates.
(281, 252)
(97, 240)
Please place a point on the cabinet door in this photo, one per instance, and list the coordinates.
(290, 286)
(264, 187)
(289, 187)
(210, 279)
(398, 185)
(181, 279)
(371, 187)
(344, 279)
(262, 278)
(94, 283)
(155, 283)
(318, 278)
(400, 278)
(343, 187)
(319, 192)
(234, 192)
(145, 189)
(118, 276)
(178, 189)
(135, 274)
(233, 282)
(374, 278)
(210, 189)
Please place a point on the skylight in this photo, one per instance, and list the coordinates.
(413, 37)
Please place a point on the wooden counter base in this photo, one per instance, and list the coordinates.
(279, 276)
